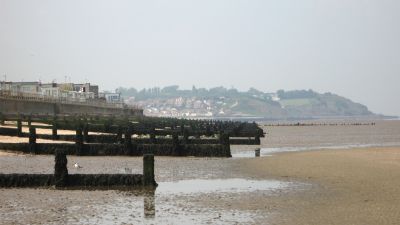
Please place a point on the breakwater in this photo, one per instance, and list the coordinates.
(61, 178)
(130, 136)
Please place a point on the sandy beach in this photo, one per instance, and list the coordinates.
(357, 186)
(351, 186)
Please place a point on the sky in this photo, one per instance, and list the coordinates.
(347, 47)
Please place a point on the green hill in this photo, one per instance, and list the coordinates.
(223, 102)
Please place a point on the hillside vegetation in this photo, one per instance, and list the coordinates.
(223, 102)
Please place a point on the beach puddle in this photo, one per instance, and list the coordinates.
(268, 152)
(199, 186)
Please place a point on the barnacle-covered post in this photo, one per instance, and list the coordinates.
(185, 136)
(118, 137)
(54, 129)
(152, 135)
(79, 141)
(2, 118)
(60, 169)
(257, 139)
(29, 120)
(86, 132)
(32, 139)
(128, 140)
(148, 170)
(224, 141)
(175, 144)
(19, 127)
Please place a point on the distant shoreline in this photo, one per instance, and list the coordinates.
(300, 119)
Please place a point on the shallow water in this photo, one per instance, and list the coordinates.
(383, 133)
(200, 186)
(301, 138)
(268, 152)
(181, 202)
(187, 186)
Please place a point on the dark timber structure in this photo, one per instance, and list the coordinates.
(104, 130)
(61, 178)
(130, 135)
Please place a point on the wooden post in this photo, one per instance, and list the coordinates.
(19, 127)
(86, 132)
(185, 136)
(223, 138)
(32, 139)
(2, 119)
(257, 138)
(118, 137)
(54, 129)
(148, 170)
(60, 169)
(29, 120)
(175, 144)
(128, 141)
(79, 141)
(152, 136)
(224, 141)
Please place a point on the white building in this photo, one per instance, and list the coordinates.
(111, 97)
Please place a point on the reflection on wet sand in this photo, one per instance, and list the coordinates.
(149, 204)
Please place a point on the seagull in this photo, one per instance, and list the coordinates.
(77, 166)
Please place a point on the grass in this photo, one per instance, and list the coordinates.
(297, 102)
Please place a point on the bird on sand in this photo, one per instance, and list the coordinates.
(77, 166)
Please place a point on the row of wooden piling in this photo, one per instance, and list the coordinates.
(117, 132)
(145, 125)
(176, 148)
(62, 179)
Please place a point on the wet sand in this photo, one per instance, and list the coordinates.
(214, 203)
(358, 186)
(13, 139)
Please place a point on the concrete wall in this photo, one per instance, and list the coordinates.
(15, 106)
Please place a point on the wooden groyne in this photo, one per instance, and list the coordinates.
(99, 136)
(203, 150)
(61, 178)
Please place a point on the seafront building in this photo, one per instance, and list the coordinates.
(68, 91)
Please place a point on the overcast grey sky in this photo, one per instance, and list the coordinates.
(349, 47)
